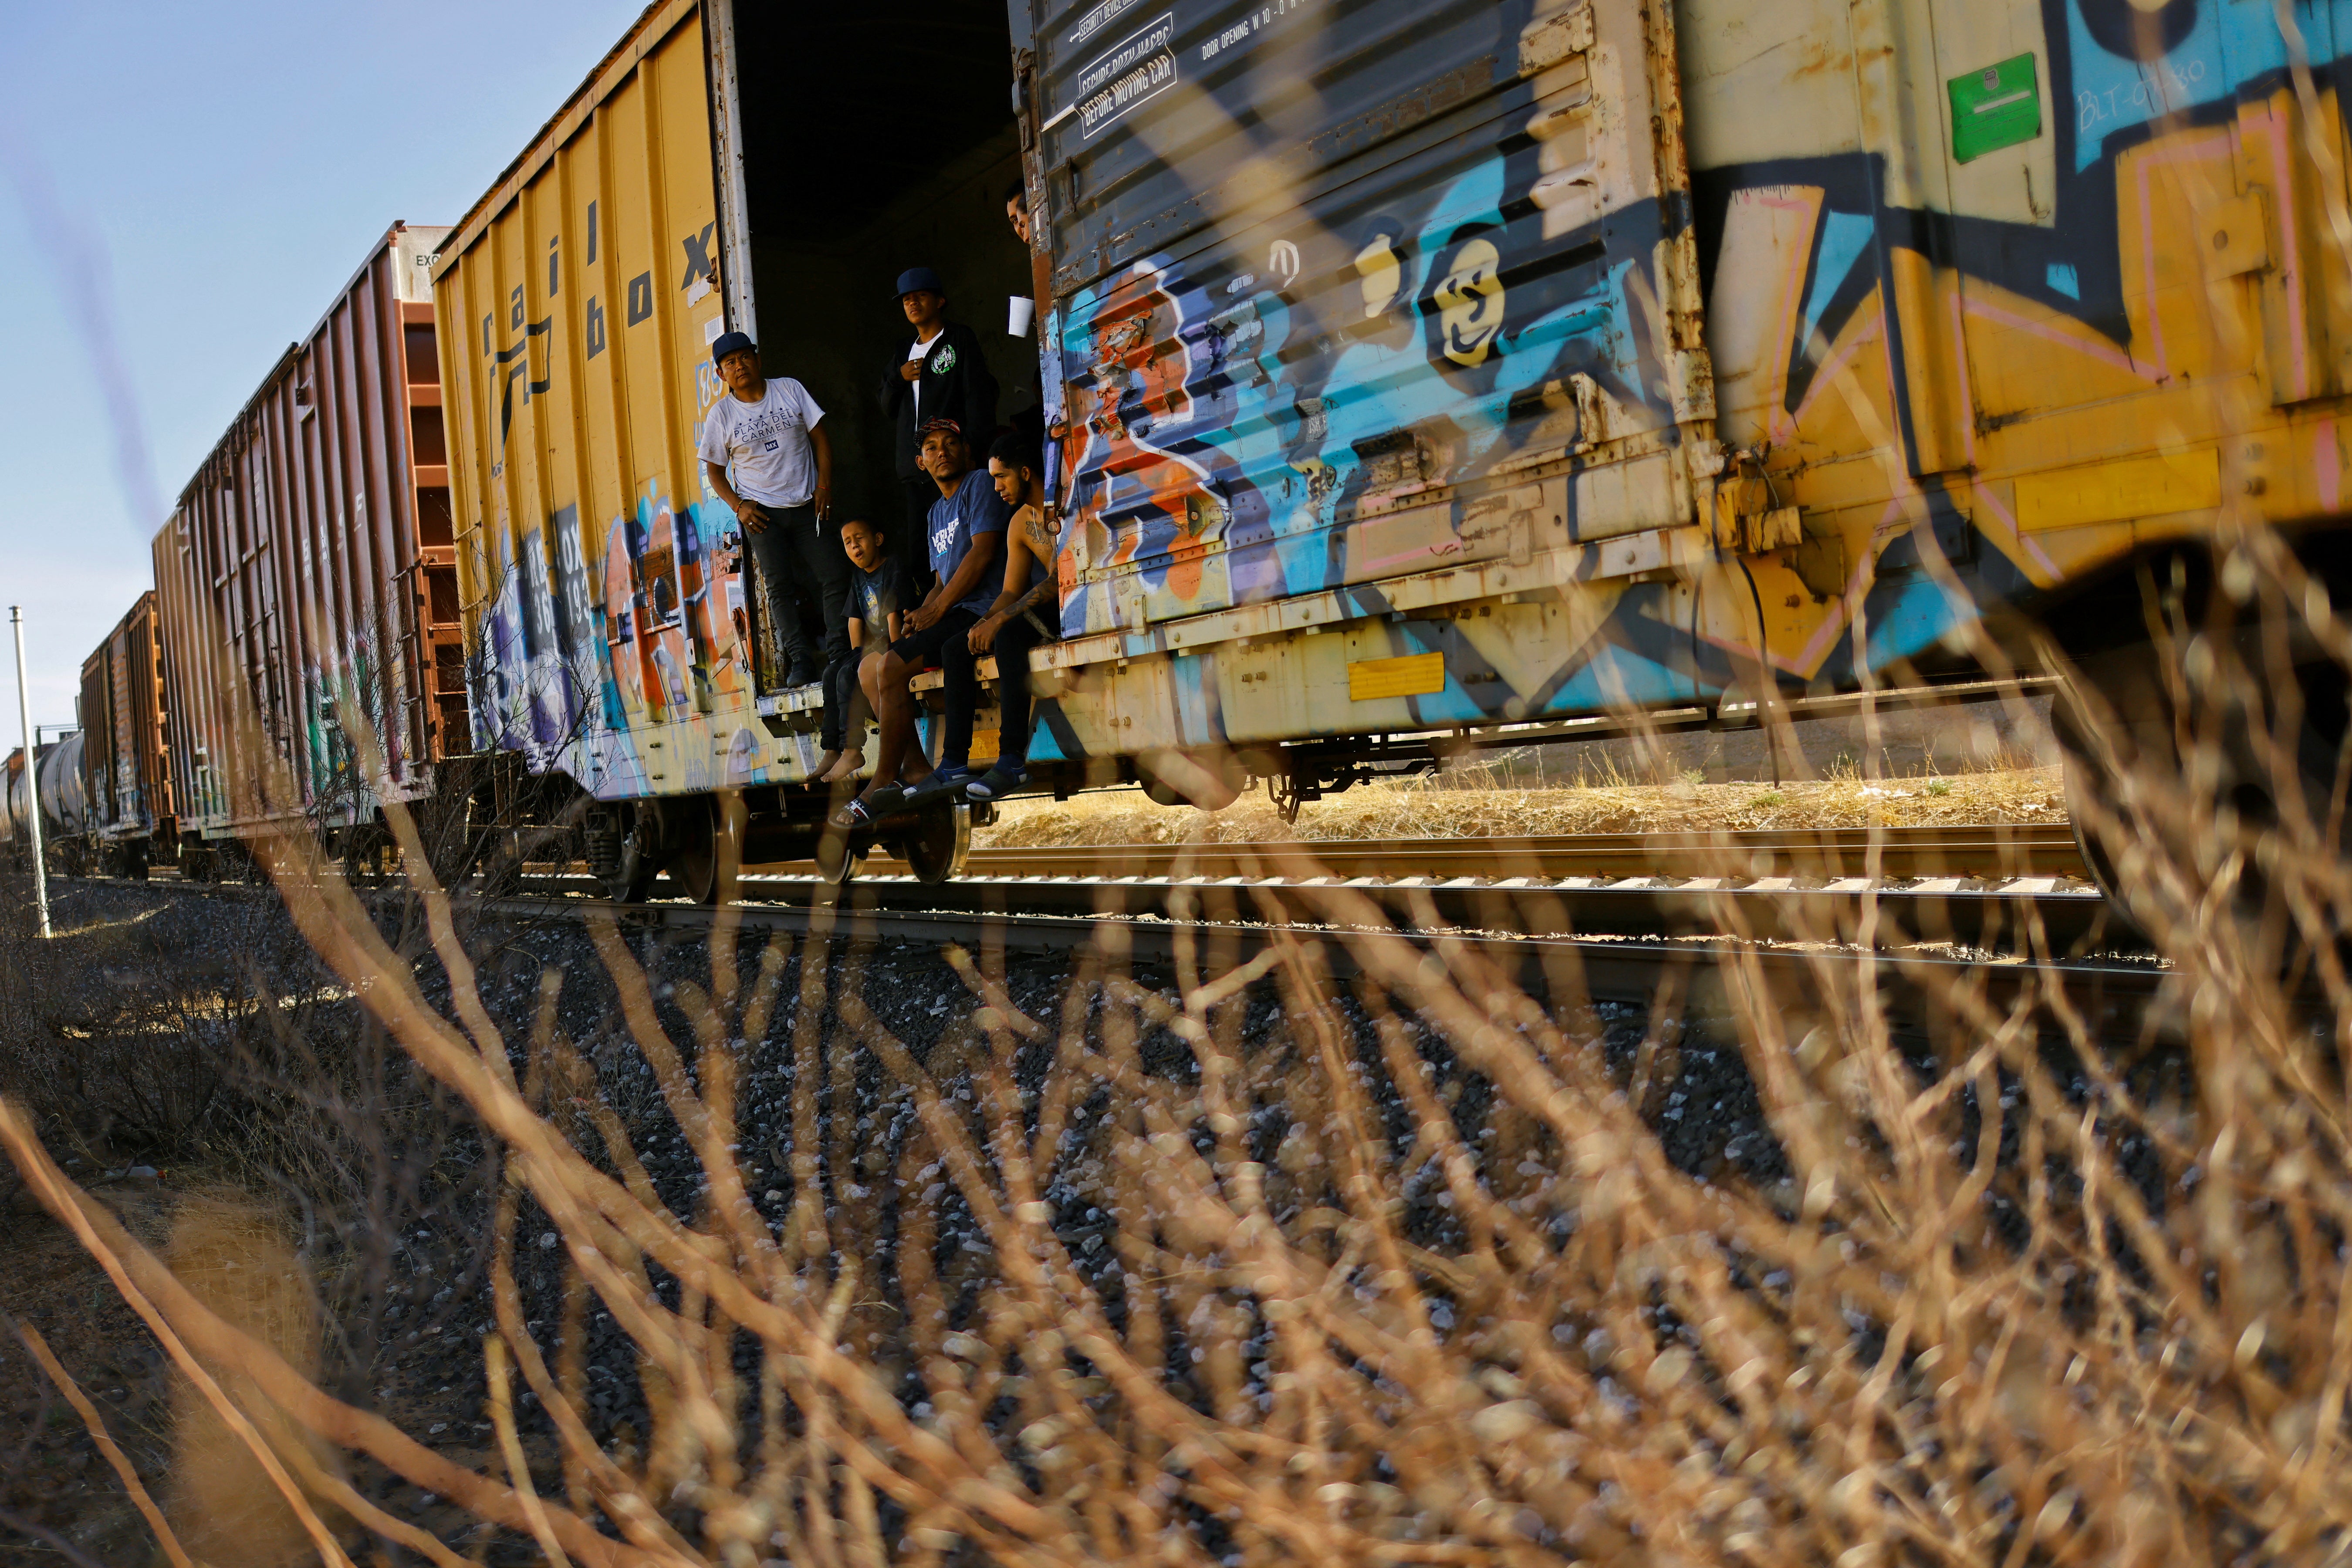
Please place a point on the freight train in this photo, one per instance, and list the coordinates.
(1416, 375)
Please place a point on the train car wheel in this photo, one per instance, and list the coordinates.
(631, 876)
(839, 856)
(940, 843)
(707, 860)
(2161, 829)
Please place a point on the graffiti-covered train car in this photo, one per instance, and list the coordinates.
(131, 822)
(306, 582)
(1414, 370)
(752, 167)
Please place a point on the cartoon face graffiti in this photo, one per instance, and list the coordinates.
(1469, 301)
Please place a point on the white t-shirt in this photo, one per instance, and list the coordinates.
(765, 443)
(922, 347)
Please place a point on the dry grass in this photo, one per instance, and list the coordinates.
(1262, 1268)
(1434, 808)
(237, 1262)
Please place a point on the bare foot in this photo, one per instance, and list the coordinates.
(822, 772)
(844, 767)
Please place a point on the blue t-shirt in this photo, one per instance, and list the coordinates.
(974, 509)
(874, 596)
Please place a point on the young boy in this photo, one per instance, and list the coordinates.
(1025, 613)
(878, 596)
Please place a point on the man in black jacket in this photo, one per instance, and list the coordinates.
(942, 375)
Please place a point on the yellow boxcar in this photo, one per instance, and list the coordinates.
(1412, 375)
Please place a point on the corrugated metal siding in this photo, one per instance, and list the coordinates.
(1329, 278)
(602, 596)
(95, 711)
(296, 578)
(123, 724)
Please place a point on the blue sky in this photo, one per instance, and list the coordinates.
(183, 190)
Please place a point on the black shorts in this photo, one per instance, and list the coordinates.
(921, 650)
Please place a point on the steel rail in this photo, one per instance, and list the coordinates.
(1698, 969)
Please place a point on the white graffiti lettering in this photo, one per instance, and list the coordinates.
(2147, 95)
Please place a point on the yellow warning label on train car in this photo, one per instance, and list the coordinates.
(1414, 675)
(2135, 488)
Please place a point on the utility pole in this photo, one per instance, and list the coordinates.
(32, 772)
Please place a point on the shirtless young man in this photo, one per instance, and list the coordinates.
(1026, 613)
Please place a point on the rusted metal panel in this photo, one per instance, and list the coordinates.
(94, 709)
(1330, 283)
(300, 575)
(128, 783)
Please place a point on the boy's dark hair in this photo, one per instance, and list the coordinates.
(870, 526)
(1014, 191)
(1015, 450)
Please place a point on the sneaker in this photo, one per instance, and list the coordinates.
(997, 782)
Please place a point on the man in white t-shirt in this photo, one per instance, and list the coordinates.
(766, 453)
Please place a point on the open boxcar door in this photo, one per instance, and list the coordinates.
(1328, 289)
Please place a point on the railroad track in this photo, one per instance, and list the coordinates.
(1529, 905)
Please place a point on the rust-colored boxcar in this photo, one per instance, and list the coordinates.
(307, 581)
(131, 819)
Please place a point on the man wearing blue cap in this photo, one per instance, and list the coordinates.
(767, 456)
(942, 376)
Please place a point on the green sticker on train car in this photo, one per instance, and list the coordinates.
(1997, 106)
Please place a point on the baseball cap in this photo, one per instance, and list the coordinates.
(916, 278)
(731, 342)
(941, 423)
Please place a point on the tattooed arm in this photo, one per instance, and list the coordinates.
(1029, 538)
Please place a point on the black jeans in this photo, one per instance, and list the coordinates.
(943, 642)
(798, 558)
(843, 697)
(1014, 639)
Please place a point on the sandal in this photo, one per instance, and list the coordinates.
(997, 782)
(877, 804)
(939, 780)
(852, 816)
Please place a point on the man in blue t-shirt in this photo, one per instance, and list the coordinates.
(965, 540)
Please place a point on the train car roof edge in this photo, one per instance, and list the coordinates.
(279, 366)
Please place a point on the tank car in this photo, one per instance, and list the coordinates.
(58, 789)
